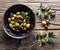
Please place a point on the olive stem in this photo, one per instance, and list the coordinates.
(52, 23)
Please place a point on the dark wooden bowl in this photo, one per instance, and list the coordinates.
(14, 9)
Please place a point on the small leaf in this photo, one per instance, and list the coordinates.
(41, 5)
(36, 36)
(53, 11)
(51, 41)
(42, 16)
(48, 8)
(49, 17)
(54, 36)
(39, 12)
(22, 13)
(27, 17)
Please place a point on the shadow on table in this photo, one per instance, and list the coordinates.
(11, 43)
(23, 44)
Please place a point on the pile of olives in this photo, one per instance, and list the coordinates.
(19, 21)
(46, 12)
(44, 38)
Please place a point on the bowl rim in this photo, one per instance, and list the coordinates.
(19, 37)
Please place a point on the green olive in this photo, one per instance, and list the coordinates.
(18, 16)
(41, 33)
(38, 11)
(16, 24)
(43, 40)
(24, 24)
(15, 20)
(24, 20)
(12, 18)
(9, 19)
(26, 13)
(10, 25)
(28, 25)
(17, 13)
(50, 11)
(12, 22)
(44, 22)
(27, 17)
(14, 15)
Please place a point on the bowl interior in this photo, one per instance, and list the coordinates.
(14, 9)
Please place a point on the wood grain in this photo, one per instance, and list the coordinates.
(38, 25)
(11, 43)
(8, 43)
(33, 6)
(38, 1)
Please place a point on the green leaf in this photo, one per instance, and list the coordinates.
(39, 12)
(49, 17)
(22, 13)
(42, 15)
(37, 37)
(54, 36)
(50, 35)
(48, 8)
(27, 17)
(52, 17)
(53, 11)
(40, 5)
(51, 41)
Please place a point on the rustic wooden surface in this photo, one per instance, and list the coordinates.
(7, 43)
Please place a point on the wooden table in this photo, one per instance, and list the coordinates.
(7, 43)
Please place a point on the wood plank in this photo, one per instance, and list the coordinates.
(29, 1)
(10, 44)
(7, 43)
(33, 6)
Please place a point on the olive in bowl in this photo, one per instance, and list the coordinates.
(18, 21)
